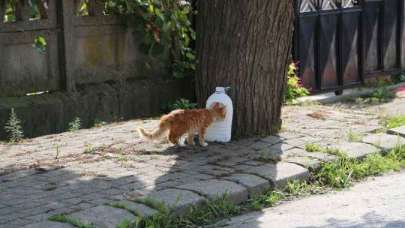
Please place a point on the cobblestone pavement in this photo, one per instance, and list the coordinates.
(76, 171)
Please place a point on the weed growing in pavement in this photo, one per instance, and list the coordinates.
(75, 125)
(65, 219)
(313, 147)
(13, 128)
(354, 137)
(393, 121)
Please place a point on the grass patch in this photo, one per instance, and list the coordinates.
(394, 121)
(65, 219)
(343, 172)
(313, 147)
(205, 214)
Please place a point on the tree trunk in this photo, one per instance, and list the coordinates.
(246, 44)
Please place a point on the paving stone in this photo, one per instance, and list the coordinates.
(398, 131)
(357, 150)
(307, 162)
(217, 188)
(384, 141)
(272, 139)
(255, 185)
(279, 174)
(48, 224)
(306, 159)
(299, 142)
(137, 208)
(271, 153)
(103, 216)
(176, 199)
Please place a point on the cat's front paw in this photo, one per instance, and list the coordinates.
(204, 144)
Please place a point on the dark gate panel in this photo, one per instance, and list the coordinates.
(354, 41)
(350, 58)
(372, 36)
(307, 44)
(328, 52)
(24, 68)
(390, 34)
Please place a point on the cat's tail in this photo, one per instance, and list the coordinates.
(157, 134)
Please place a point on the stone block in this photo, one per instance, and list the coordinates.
(384, 141)
(254, 184)
(177, 200)
(357, 150)
(103, 216)
(214, 189)
(137, 208)
(281, 173)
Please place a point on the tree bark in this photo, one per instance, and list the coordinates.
(246, 44)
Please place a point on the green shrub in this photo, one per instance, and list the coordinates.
(294, 87)
(182, 104)
(166, 27)
(13, 128)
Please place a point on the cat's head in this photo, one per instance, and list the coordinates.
(219, 109)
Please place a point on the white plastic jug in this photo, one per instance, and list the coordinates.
(220, 130)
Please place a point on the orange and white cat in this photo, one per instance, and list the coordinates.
(181, 122)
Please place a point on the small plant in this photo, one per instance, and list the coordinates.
(89, 149)
(13, 128)
(125, 224)
(398, 78)
(57, 147)
(334, 151)
(182, 104)
(294, 87)
(394, 121)
(123, 158)
(269, 199)
(40, 44)
(297, 188)
(381, 94)
(75, 125)
(312, 147)
(99, 123)
(337, 174)
(353, 136)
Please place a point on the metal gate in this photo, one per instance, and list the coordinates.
(341, 43)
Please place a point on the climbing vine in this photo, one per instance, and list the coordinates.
(167, 28)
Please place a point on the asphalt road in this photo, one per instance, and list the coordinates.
(378, 202)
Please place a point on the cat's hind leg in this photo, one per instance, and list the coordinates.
(190, 138)
(201, 136)
(175, 138)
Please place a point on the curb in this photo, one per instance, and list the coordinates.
(328, 98)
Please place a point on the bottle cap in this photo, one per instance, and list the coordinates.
(220, 89)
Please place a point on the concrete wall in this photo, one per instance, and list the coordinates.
(51, 113)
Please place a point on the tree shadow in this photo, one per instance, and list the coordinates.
(30, 194)
(371, 219)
